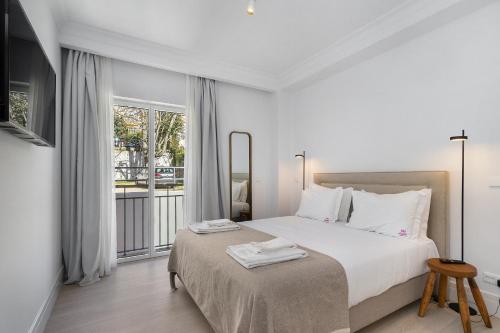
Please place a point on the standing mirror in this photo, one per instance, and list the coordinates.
(240, 175)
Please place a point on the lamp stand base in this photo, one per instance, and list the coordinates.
(455, 307)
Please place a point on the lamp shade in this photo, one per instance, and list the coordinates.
(303, 157)
(462, 137)
(251, 7)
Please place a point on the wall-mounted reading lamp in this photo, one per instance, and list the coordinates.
(303, 157)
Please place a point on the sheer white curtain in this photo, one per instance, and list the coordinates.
(204, 181)
(107, 251)
(88, 214)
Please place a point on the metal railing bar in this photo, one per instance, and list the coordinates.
(138, 249)
(124, 224)
(145, 248)
(133, 223)
(159, 220)
(156, 196)
(175, 212)
(142, 212)
(168, 218)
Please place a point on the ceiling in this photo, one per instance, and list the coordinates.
(281, 34)
(287, 44)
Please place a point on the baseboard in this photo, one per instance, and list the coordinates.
(43, 314)
(490, 299)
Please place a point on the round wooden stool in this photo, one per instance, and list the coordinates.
(459, 272)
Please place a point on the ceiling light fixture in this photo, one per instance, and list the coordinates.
(251, 7)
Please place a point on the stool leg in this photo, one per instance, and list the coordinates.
(426, 297)
(443, 289)
(463, 305)
(480, 302)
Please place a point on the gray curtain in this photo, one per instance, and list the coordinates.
(82, 234)
(205, 181)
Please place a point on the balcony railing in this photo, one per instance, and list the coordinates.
(133, 215)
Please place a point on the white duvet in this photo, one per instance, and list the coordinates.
(373, 263)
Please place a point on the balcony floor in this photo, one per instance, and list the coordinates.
(137, 298)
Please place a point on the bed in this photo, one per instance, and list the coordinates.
(377, 269)
(240, 204)
(239, 207)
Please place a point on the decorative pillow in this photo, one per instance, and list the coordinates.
(236, 191)
(389, 214)
(243, 191)
(320, 204)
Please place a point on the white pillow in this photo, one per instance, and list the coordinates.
(236, 191)
(320, 204)
(345, 205)
(422, 215)
(389, 214)
(316, 187)
(243, 191)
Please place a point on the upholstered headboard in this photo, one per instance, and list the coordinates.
(239, 177)
(396, 182)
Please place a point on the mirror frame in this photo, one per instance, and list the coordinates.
(250, 200)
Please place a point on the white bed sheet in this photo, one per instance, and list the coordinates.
(373, 263)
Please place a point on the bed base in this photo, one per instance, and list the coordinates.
(172, 281)
(371, 310)
(378, 307)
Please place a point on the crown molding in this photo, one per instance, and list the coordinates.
(405, 22)
(135, 50)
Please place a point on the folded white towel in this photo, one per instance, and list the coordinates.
(246, 256)
(218, 223)
(273, 245)
(203, 228)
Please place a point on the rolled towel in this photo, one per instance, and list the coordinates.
(277, 243)
(218, 223)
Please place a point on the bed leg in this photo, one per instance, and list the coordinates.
(172, 281)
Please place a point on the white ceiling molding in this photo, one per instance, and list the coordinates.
(411, 19)
(405, 22)
(126, 48)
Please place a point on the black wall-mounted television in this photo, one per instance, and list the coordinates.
(28, 92)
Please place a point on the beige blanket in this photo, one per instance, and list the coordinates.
(304, 295)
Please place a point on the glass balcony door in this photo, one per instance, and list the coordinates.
(169, 177)
(149, 176)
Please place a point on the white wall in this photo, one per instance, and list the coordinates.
(253, 111)
(396, 112)
(239, 108)
(30, 244)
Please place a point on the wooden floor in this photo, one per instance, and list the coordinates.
(137, 298)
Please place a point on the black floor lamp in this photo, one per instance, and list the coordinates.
(461, 138)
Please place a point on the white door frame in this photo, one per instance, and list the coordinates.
(152, 107)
